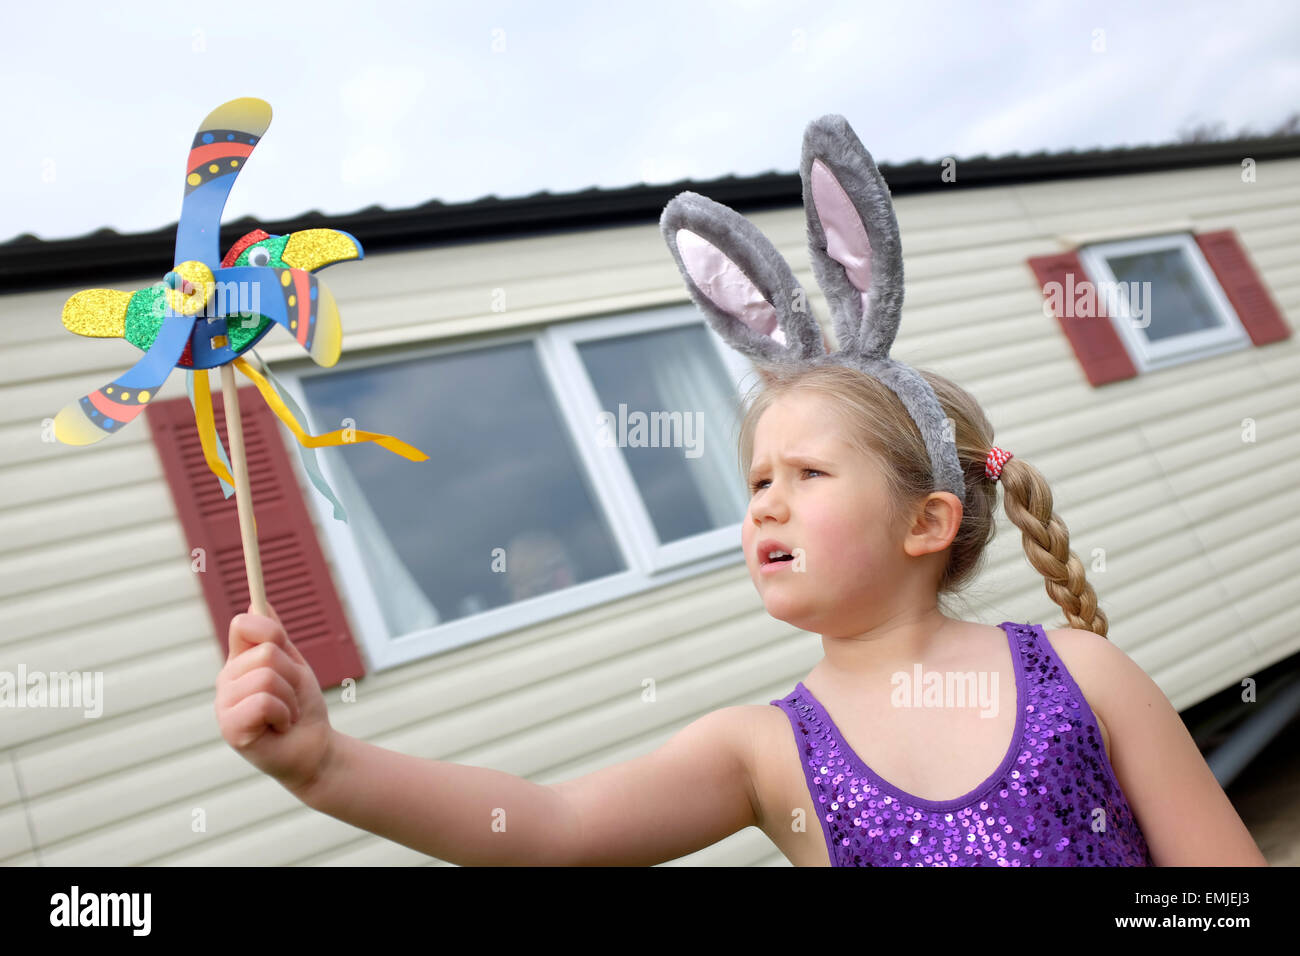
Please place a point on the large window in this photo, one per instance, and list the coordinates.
(567, 468)
(1164, 299)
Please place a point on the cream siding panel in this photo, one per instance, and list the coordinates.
(60, 565)
(106, 597)
(1198, 528)
(62, 520)
(15, 836)
(10, 792)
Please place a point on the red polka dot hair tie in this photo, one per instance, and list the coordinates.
(994, 462)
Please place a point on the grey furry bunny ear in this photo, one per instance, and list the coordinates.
(741, 283)
(852, 237)
(749, 295)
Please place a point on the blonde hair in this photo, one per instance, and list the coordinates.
(879, 426)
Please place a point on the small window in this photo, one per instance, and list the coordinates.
(1164, 300)
(566, 468)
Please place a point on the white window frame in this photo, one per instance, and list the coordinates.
(1228, 336)
(648, 564)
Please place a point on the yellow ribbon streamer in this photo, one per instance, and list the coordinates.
(338, 437)
(208, 429)
(207, 426)
(204, 419)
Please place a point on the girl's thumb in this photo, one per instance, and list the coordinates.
(275, 617)
(250, 629)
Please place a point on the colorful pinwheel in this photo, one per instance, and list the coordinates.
(208, 311)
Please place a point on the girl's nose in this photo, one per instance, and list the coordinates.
(769, 505)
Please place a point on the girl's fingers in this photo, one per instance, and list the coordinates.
(248, 631)
(262, 680)
(264, 655)
(287, 642)
(248, 719)
(274, 616)
(293, 652)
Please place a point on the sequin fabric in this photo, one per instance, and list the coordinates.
(1054, 800)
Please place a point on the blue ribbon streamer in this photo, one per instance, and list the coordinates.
(307, 455)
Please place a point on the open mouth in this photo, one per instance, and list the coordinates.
(772, 552)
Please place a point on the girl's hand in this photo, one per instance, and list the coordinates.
(269, 704)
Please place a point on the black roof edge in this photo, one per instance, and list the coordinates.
(28, 263)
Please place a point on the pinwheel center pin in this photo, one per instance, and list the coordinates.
(189, 287)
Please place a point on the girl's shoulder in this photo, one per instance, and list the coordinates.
(1090, 659)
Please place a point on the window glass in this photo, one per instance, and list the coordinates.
(671, 408)
(1178, 304)
(502, 510)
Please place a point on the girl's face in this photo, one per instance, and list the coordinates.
(813, 492)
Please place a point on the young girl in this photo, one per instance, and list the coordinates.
(872, 494)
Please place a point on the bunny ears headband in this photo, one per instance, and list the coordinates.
(751, 299)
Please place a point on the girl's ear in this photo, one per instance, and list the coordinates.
(740, 282)
(852, 237)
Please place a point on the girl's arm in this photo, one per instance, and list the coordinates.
(1184, 814)
(691, 792)
(470, 816)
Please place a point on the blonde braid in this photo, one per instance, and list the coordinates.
(1027, 500)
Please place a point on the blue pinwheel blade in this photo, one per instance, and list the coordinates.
(294, 298)
(222, 145)
(107, 409)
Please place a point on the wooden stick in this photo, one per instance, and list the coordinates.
(243, 493)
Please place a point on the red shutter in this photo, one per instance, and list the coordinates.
(298, 584)
(1095, 342)
(1243, 287)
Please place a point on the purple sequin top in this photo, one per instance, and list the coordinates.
(1053, 801)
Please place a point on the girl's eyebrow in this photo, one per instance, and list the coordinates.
(792, 460)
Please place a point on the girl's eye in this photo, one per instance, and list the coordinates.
(756, 486)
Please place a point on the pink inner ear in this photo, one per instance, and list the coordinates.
(727, 286)
(846, 236)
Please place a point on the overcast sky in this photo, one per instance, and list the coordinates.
(394, 104)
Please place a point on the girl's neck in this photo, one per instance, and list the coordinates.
(895, 645)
